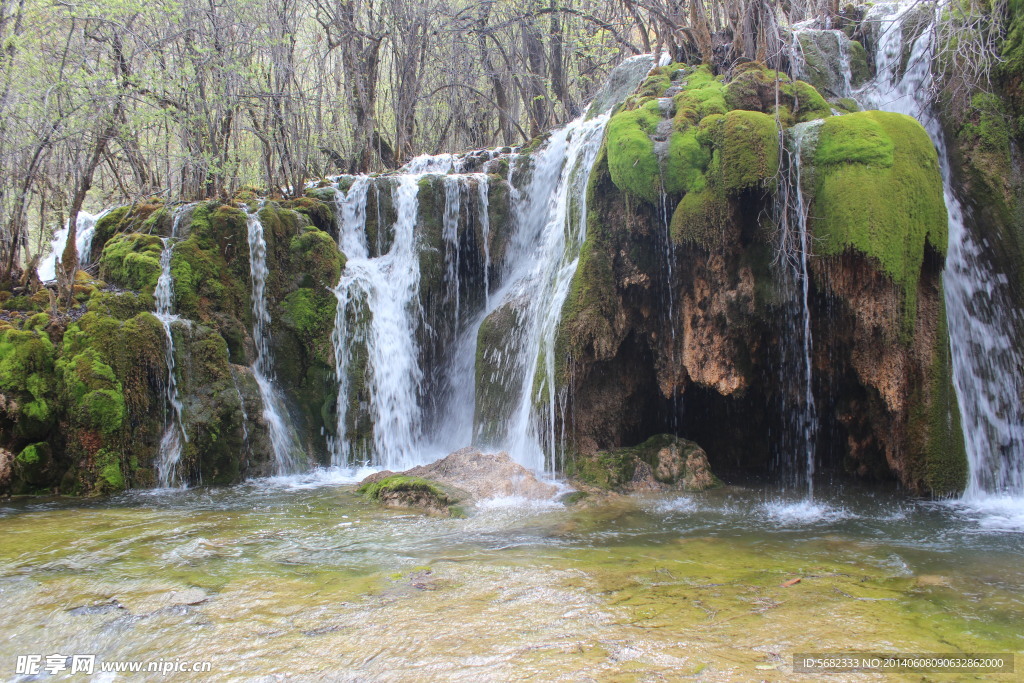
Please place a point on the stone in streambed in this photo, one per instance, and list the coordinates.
(462, 478)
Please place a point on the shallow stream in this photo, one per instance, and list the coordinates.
(301, 576)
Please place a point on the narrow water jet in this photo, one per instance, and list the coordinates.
(174, 437)
(287, 453)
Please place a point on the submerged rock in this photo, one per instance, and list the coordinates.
(462, 478)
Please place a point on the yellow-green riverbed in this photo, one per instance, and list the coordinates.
(301, 578)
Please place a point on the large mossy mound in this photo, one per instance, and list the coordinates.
(83, 398)
(879, 192)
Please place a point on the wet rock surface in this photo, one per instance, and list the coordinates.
(462, 478)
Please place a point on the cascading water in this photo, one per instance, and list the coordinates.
(794, 250)
(551, 225)
(984, 325)
(84, 231)
(376, 308)
(175, 436)
(379, 321)
(282, 438)
(532, 438)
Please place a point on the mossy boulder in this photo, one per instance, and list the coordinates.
(823, 54)
(132, 261)
(27, 383)
(661, 462)
(212, 411)
(402, 491)
(756, 88)
(211, 267)
(146, 217)
(879, 192)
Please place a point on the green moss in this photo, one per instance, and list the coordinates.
(38, 322)
(211, 267)
(859, 139)
(592, 303)
(400, 482)
(847, 105)
(1012, 49)
(315, 254)
(666, 456)
(703, 94)
(701, 219)
(320, 212)
(755, 88)
(108, 467)
(91, 391)
(860, 70)
(132, 261)
(887, 211)
(808, 104)
(945, 454)
(633, 164)
(126, 219)
(606, 470)
(749, 150)
(21, 303)
(102, 410)
(686, 162)
(989, 126)
(32, 454)
(27, 376)
(657, 83)
(120, 305)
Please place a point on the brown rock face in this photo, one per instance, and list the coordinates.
(465, 476)
(6, 468)
(485, 475)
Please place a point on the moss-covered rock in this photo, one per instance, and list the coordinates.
(132, 261)
(498, 371)
(823, 55)
(28, 383)
(401, 491)
(211, 267)
(756, 88)
(879, 192)
(634, 166)
(146, 217)
(663, 461)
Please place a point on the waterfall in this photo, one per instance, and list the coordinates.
(174, 437)
(794, 250)
(377, 307)
(282, 437)
(983, 321)
(379, 322)
(85, 228)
